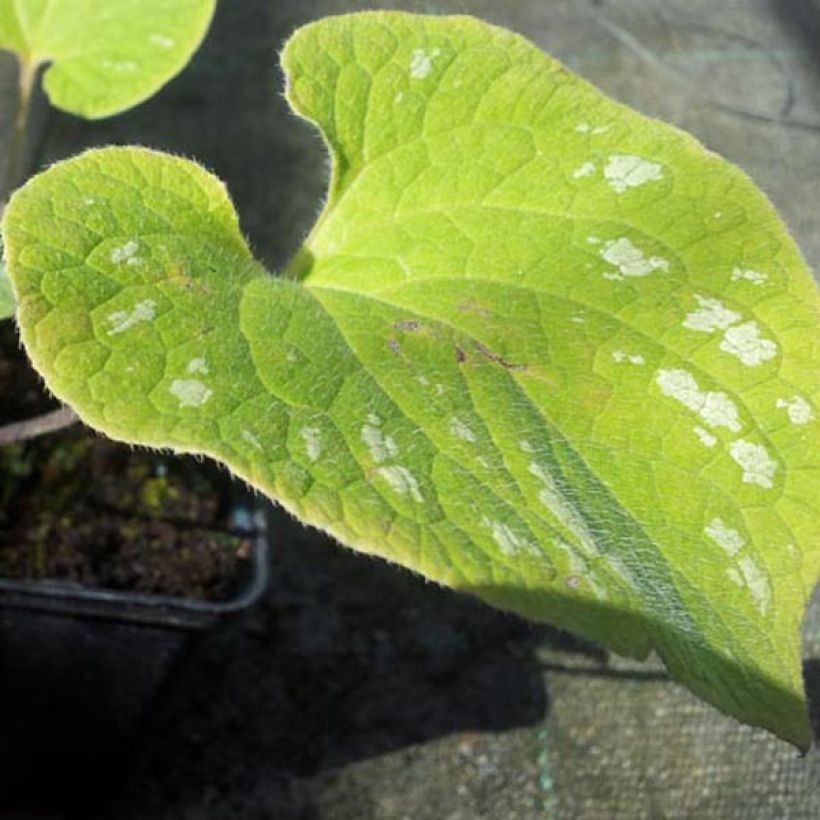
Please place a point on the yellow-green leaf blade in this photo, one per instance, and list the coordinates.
(661, 317)
(105, 56)
(585, 395)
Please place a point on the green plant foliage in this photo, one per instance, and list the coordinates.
(106, 55)
(538, 347)
(7, 303)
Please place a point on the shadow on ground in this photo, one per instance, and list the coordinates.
(347, 658)
(802, 19)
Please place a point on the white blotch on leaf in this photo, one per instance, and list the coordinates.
(460, 430)
(745, 342)
(725, 537)
(624, 171)
(747, 572)
(622, 356)
(753, 276)
(125, 252)
(312, 437)
(757, 583)
(586, 128)
(402, 481)
(162, 40)
(629, 259)
(710, 316)
(421, 63)
(253, 440)
(382, 447)
(758, 466)
(509, 542)
(715, 408)
(552, 498)
(569, 517)
(122, 320)
(706, 438)
(798, 409)
(525, 446)
(580, 568)
(198, 365)
(735, 576)
(122, 67)
(584, 170)
(190, 392)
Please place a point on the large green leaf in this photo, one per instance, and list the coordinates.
(538, 347)
(106, 55)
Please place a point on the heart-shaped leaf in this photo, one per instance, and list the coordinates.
(106, 55)
(538, 347)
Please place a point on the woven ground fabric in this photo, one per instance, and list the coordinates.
(619, 742)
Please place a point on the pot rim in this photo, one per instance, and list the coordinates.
(74, 600)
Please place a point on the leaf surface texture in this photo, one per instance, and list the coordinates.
(105, 55)
(538, 347)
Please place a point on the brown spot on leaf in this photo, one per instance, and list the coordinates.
(471, 306)
(498, 359)
(461, 356)
(406, 325)
(393, 344)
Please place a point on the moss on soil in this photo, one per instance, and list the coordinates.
(78, 508)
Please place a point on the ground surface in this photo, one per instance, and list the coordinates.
(356, 692)
(82, 509)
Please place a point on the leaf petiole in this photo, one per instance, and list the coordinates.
(15, 166)
(38, 426)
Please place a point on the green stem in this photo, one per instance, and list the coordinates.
(15, 173)
(15, 166)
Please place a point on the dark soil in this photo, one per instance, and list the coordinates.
(79, 508)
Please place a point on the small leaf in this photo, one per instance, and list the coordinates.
(106, 55)
(538, 347)
(7, 303)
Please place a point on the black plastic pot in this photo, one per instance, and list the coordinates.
(81, 669)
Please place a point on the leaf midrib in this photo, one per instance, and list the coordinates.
(630, 581)
(550, 295)
(540, 411)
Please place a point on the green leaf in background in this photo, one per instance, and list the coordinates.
(538, 347)
(106, 55)
(7, 302)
